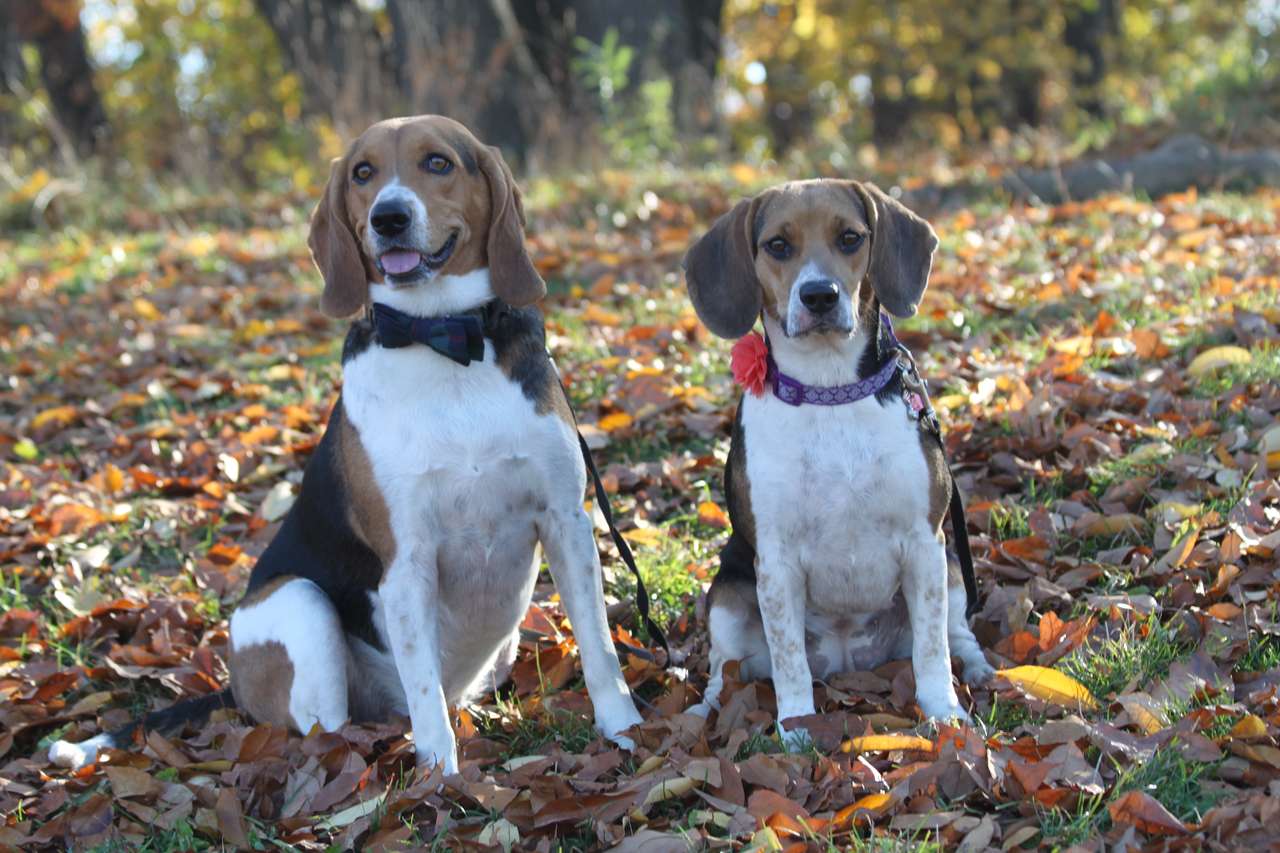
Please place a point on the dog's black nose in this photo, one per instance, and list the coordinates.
(819, 296)
(390, 218)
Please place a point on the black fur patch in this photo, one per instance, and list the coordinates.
(316, 540)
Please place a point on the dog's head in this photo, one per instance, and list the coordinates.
(416, 201)
(800, 253)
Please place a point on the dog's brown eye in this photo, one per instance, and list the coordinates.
(437, 164)
(849, 241)
(362, 173)
(778, 247)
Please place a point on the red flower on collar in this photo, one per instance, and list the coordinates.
(749, 362)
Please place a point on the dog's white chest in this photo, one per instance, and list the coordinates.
(467, 467)
(836, 492)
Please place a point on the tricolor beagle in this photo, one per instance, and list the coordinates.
(398, 580)
(836, 492)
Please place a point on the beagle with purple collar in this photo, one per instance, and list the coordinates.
(399, 578)
(836, 491)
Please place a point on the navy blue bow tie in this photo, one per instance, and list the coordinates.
(460, 338)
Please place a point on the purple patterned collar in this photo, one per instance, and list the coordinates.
(795, 393)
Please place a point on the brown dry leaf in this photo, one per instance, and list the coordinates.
(1141, 810)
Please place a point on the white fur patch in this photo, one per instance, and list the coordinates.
(445, 294)
(299, 616)
(73, 756)
(419, 231)
(473, 478)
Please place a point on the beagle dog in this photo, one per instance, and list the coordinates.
(398, 580)
(836, 491)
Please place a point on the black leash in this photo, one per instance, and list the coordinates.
(624, 551)
(960, 528)
(913, 384)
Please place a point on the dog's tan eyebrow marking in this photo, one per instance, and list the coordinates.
(462, 147)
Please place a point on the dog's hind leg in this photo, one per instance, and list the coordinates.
(736, 633)
(289, 656)
(963, 644)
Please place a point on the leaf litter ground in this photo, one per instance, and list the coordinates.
(1107, 373)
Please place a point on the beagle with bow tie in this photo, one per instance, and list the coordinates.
(836, 482)
(399, 578)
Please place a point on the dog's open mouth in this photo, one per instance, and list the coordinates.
(408, 263)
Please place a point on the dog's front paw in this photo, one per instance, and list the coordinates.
(944, 708)
(702, 709)
(613, 725)
(795, 739)
(978, 672)
(430, 756)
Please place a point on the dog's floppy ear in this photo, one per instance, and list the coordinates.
(720, 272)
(515, 280)
(902, 246)
(334, 248)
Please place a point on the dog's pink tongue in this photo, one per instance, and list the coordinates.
(398, 263)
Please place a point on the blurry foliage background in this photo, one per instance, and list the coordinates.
(163, 96)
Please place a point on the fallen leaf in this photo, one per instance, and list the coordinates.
(1141, 810)
(1050, 685)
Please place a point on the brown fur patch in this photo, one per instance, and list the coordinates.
(738, 484)
(810, 216)
(939, 479)
(477, 199)
(367, 508)
(261, 680)
(254, 596)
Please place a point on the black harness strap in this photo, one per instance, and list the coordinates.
(624, 551)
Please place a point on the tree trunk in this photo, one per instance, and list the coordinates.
(1084, 33)
(341, 60)
(53, 26)
(12, 73)
(695, 106)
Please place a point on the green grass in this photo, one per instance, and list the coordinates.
(1263, 369)
(1262, 653)
(1124, 657)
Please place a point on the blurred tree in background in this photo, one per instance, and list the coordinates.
(252, 91)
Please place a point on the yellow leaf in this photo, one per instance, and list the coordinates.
(1217, 357)
(669, 789)
(614, 421)
(1050, 685)
(145, 309)
(1249, 726)
(644, 536)
(61, 415)
(1111, 525)
(1142, 714)
(877, 743)
(743, 173)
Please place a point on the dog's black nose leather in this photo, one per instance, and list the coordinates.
(819, 296)
(390, 218)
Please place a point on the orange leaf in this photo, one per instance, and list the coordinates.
(1146, 813)
(60, 415)
(710, 514)
(614, 421)
(877, 743)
